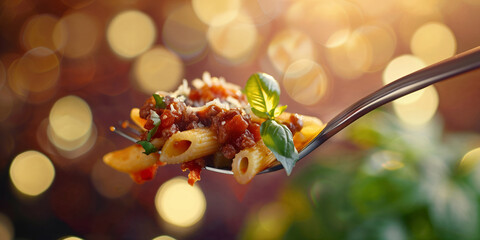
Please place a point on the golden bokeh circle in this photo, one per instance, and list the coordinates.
(288, 46)
(158, 69)
(70, 123)
(433, 42)
(39, 32)
(400, 67)
(216, 12)
(380, 42)
(131, 33)
(32, 172)
(320, 19)
(184, 33)
(234, 41)
(420, 111)
(470, 160)
(37, 70)
(305, 81)
(180, 204)
(77, 34)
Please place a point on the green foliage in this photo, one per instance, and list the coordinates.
(395, 183)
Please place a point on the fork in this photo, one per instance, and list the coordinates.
(456, 65)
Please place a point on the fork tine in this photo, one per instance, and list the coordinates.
(132, 128)
(123, 134)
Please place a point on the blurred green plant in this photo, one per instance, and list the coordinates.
(394, 182)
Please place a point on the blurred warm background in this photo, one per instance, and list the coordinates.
(71, 68)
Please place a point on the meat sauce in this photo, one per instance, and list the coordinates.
(235, 129)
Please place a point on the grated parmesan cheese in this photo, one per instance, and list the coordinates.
(182, 89)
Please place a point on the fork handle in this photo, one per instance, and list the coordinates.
(450, 67)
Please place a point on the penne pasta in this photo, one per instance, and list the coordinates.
(248, 162)
(311, 128)
(189, 145)
(130, 159)
(135, 116)
(210, 125)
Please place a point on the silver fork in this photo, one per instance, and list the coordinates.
(459, 64)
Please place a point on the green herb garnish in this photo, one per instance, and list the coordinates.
(146, 144)
(159, 101)
(263, 94)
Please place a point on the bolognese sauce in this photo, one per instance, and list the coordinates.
(234, 128)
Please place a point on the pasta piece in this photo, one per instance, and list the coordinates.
(211, 124)
(311, 127)
(189, 145)
(250, 161)
(130, 159)
(135, 116)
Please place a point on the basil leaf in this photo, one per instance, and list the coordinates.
(152, 131)
(263, 93)
(279, 110)
(159, 101)
(278, 138)
(260, 114)
(148, 146)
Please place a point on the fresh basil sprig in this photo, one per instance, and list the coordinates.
(263, 94)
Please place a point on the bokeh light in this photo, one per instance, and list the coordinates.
(6, 228)
(158, 70)
(420, 111)
(108, 182)
(77, 34)
(234, 41)
(424, 7)
(305, 81)
(70, 123)
(130, 33)
(384, 160)
(400, 67)
(433, 42)
(216, 12)
(180, 204)
(39, 32)
(288, 46)
(36, 71)
(320, 19)
(381, 42)
(271, 218)
(377, 9)
(32, 173)
(470, 160)
(184, 33)
(70, 238)
(70, 69)
(164, 237)
(410, 23)
(367, 49)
